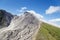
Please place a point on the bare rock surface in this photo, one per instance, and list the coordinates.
(21, 28)
(5, 18)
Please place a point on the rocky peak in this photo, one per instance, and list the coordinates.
(5, 18)
(27, 13)
(21, 27)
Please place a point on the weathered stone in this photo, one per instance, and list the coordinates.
(21, 28)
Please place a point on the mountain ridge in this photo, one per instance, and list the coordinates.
(21, 28)
(28, 27)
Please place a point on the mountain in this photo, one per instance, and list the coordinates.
(22, 27)
(5, 18)
(48, 32)
(26, 27)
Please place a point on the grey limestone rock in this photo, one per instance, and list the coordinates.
(21, 28)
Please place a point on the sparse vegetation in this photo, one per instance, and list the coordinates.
(48, 32)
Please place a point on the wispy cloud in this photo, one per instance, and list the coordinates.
(22, 9)
(52, 9)
(55, 20)
(39, 16)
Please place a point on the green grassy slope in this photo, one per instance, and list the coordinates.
(48, 32)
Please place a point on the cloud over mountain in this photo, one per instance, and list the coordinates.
(52, 9)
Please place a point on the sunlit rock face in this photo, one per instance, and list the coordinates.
(22, 27)
(5, 18)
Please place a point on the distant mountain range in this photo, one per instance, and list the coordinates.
(26, 27)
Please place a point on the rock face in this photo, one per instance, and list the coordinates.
(5, 18)
(21, 28)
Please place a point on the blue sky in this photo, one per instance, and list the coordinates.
(49, 9)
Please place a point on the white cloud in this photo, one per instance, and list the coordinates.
(22, 9)
(35, 14)
(51, 23)
(52, 9)
(39, 16)
(55, 20)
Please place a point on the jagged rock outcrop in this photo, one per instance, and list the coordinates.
(21, 28)
(5, 18)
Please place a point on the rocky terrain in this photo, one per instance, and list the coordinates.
(5, 18)
(26, 27)
(23, 27)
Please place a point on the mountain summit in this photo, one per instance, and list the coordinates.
(22, 27)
